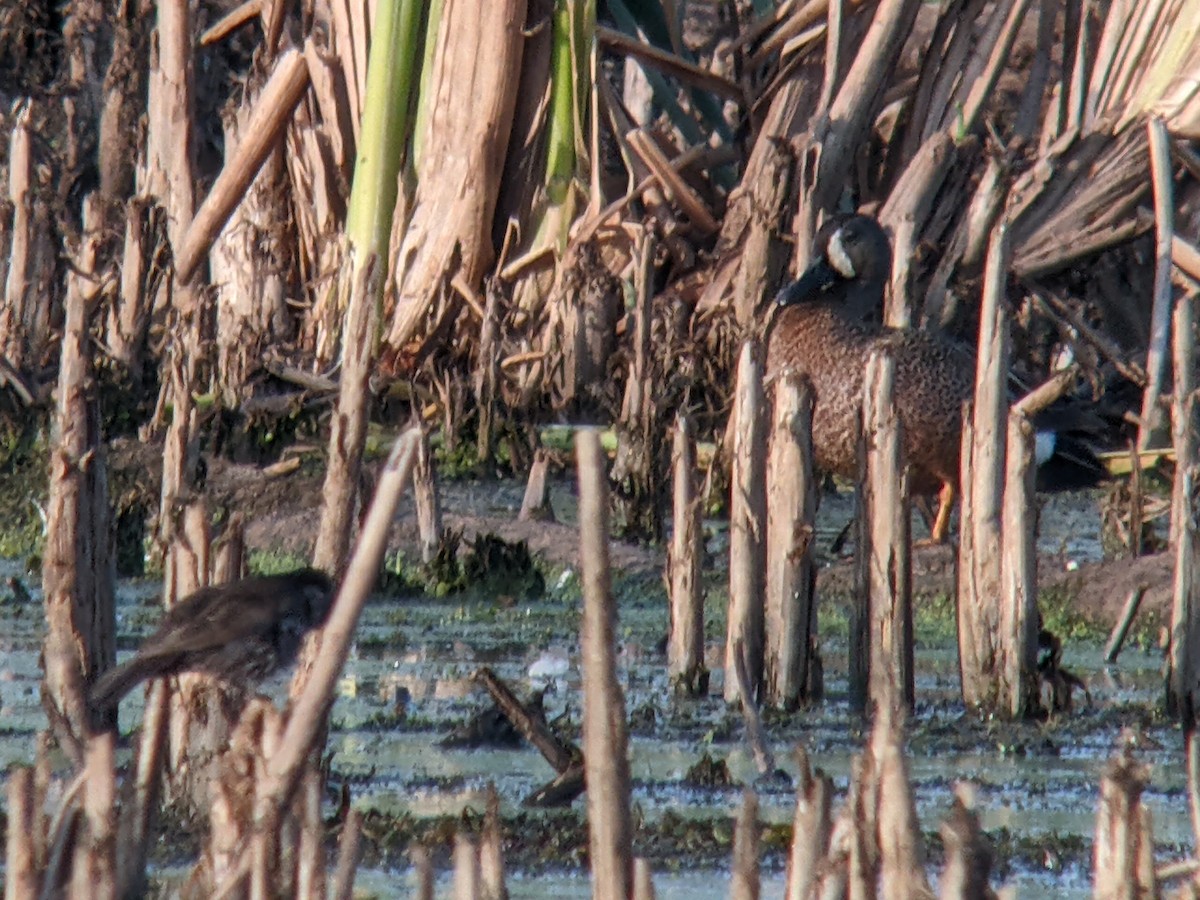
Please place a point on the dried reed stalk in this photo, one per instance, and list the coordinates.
(746, 884)
(836, 137)
(77, 563)
(20, 850)
(979, 581)
(888, 545)
(96, 857)
(428, 502)
(257, 134)
(901, 845)
(311, 704)
(535, 506)
(1123, 853)
(1185, 427)
(968, 854)
(18, 293)
(347, 434)
(810, 828)
(1183, 658)
(349, 853)
(605, 745)
(1017, 637)
(491, 850)
(685, 649)
(791, 610)
(747, 519)
(229, 551)
(170, 154)
(643, 879)
(129, 315)
(466, 868)
(1161, 173)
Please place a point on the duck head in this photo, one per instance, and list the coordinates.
(854, 260)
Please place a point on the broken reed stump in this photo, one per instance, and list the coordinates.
(811, 827)
(792, 670)
(1123, 852)
(746, 882)
(875, 845)
(536, 504)
(605, 744)
(968, 868)
(747, 518)
(1162, 179)
(25, 824)
(887, 542)
(95, 863)
(982, 486)
(1018, 689)
(637, 473)
(77, 564)
(428, 503)
(643, 879)
(1183, 659)
(1184, 425)
(685, 646)
(360, 286)
(229, 551)
(901, 845)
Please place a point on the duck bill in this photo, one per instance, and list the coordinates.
(816, 280)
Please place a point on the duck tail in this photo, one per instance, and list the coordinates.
(1066, 462)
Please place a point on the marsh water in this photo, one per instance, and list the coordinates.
(408, 684)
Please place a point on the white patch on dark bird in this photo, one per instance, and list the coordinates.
(1043, 446)
(838, 257)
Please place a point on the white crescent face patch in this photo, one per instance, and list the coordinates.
(838, 257)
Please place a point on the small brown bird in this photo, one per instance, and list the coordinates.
(820, 327)
(239, 633)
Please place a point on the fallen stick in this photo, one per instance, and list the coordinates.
(561, 756)
(1115, 641)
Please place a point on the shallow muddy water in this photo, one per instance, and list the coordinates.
(1037, 784)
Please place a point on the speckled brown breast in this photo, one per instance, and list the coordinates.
(933, 379)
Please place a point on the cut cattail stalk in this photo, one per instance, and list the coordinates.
(1017, 638)
(888, 541)
(685, 650)
(811, 828)
(979, 581)
(536, 505)
(968, 855)
(604, 728)
(746, 884)
(466, 868)
(747, 516)
(791, 613)
(1162, 178)
(1123, 853)
(491, 850)
(20, 852)
(349, 851)
(429, 506)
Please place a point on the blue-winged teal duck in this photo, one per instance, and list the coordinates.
(821, 327)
